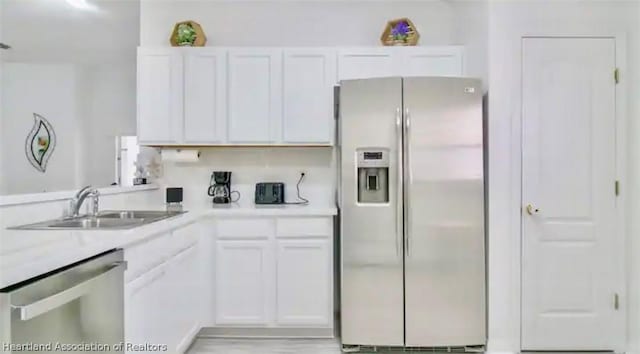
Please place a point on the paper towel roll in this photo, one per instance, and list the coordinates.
(180, 155)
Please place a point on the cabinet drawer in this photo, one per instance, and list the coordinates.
(295, 227)
(242, 227)
(146, 255)
(185, 236)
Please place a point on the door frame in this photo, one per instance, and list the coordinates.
(517, 227)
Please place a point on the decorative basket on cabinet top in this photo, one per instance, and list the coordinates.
(195, 31)
(400, 31)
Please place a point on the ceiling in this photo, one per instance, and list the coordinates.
(55, 31)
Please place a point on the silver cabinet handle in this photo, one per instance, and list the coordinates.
(54, 301)
(399, 173)
(408, 180)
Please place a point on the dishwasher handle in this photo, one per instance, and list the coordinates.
(63, 297)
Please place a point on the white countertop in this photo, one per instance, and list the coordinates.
(25, 254)
(269, 210)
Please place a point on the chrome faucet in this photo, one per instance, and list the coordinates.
(76, 202)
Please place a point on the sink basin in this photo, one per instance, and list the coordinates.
(93, 223)
(106, 220)
(137, 214)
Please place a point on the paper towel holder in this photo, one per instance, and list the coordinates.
(180, 155)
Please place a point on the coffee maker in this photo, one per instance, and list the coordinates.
(220, 187)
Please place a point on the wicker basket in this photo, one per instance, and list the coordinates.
(201, 39)
(412, 34)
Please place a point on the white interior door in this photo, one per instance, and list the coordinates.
(569, 273)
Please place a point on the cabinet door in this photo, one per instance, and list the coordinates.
(204, 96)
(309, 77)
(243, 278)
(431, 61)
(160, 88)
(254, 95)
(145, 319)
(186, 298)
(363, 63)
(304, 289)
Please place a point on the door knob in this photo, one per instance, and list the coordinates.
(531, 210)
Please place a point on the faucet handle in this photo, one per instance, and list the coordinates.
(68, 212)
(96, 202)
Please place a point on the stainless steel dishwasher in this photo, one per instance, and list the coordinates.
(78, 308)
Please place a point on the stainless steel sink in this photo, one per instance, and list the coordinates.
(93, 223)
(106, 220)
(137, 214)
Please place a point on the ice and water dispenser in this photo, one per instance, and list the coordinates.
(373, 175)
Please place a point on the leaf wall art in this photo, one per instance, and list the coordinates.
(40, 143)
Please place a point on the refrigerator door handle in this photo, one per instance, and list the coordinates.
(408, 181)
(399, 178)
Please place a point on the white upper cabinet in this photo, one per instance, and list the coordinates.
(362, 63)
(181, 96)
(254, 95)
(204, 96)
(160, 92)
(431, 61)
(309, 77)
(263, 96)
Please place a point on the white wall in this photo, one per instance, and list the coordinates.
(59, 32)
(2, 170)
(48, 90)
(100, 46)
(320, 23)
(88, 106)
(111, 112)
(471, 28)
(508, 22)
(251, 165)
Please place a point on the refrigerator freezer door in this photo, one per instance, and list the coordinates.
(371, 233)
(444, 212)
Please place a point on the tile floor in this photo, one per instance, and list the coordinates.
(264, 346)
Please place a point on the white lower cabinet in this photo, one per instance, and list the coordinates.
(144, 323)
(253, 272)
(243, 270)
(274, 272)
(162, 304)
(184, 306)
(303, 278)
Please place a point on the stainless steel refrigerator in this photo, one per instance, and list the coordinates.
(412, 213)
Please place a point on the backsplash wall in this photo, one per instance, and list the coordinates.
(256, 164)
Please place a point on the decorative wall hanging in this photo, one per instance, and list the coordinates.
(400, 31)
(40, 143)
(188, 33)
